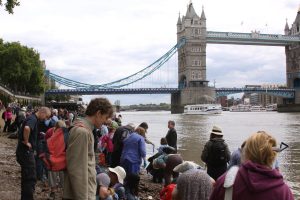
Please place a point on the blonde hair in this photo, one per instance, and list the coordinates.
(259, 150)
(60, 124)
(141, 131)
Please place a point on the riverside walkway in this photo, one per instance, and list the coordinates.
(7, 92)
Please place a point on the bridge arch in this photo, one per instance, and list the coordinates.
(297, 83)
(183, 82)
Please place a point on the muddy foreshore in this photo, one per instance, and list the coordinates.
(10, 176)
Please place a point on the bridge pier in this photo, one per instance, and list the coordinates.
(290, 105)
(191, 95)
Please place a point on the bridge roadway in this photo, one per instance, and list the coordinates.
(286, 93)
(95, 91)
(253, 38)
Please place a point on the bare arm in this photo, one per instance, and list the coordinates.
(148, 141)
(26, 134)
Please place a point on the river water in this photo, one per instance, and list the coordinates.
(193, 132)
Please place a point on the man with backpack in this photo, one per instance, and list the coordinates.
(216, 154)
(26, 148)
(121, 133)
(80, 177)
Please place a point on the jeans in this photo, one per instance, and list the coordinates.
(41, 170)
(25, 158)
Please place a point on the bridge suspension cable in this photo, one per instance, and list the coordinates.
(124, 81)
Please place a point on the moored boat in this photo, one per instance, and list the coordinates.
(257, 109)
(240, 108)
(271, 107)
(203, 109)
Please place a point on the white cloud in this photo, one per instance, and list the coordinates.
(97, 41)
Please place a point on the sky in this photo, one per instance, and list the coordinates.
(97, 41)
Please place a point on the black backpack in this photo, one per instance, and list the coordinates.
(120, 135)
(217, 154)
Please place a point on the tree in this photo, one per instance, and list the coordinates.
(21, 69)
(10, 5)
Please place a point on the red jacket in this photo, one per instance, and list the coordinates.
(255, 181)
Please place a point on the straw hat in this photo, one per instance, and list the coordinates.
(120, 172)
(185, 166)
(216, 130)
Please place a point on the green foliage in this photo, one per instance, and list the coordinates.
(5, 99)
(10, 5)
(21, 69)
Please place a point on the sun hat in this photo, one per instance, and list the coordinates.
(103, 179)
(130, 126)
(23, 109)
(185, 166)
(216, 130)
(120, 172)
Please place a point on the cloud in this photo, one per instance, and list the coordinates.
(102, 41)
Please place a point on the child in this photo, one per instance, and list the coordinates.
(163, 144)
(117, 176)
(103, 190)
(106, 141)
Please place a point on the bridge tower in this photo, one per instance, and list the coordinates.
(293, 60)
(192, 62)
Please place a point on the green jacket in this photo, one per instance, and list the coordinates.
(80, 176)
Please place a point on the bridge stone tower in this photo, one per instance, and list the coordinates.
(293, 60)
(192, 62)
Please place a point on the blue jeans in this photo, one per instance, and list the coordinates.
(41, 171)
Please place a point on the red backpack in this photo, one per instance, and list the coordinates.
(54, 149)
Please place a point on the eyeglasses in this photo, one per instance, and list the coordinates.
(282, 147)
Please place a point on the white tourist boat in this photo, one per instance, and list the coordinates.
(240, 108)
(257, 109)
(202, 109)
(271, 107)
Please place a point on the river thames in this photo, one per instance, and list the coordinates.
(194, 130)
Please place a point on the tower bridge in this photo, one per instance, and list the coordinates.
(192, 38)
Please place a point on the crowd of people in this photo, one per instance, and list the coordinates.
(100, 158)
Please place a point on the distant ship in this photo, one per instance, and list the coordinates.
(271, 107)
(257, 109)
(240, 108)
(202, 109)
